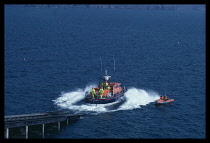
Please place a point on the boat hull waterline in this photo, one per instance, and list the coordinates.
(104, 100)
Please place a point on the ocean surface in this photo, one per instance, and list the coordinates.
(52, 56)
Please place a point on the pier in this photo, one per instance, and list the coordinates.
(27, 120)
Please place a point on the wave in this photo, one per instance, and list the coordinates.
(74, 100)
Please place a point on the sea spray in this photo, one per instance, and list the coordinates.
(75, 100)
(136, 97)
(71, 100)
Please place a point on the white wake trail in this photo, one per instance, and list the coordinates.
(74, 100)
(69, 101)
(136, 97)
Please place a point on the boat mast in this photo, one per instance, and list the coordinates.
(114, 67)
(106, 77)
(114, 62)
(101, 63)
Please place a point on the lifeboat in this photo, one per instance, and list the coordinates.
(112, 92)
(164, 100)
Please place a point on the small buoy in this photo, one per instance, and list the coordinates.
(24, 59)
(178, 42)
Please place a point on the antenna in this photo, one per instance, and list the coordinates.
(114, 66)
(101, 64)
(114, 62)
(106, 77)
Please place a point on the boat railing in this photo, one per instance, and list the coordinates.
(96, 96)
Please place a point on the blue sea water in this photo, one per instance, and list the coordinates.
(52, 56)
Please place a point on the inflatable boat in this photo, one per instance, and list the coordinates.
(161, 101)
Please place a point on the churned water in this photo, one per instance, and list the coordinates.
(52, 56)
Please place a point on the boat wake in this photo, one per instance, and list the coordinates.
(134, 98)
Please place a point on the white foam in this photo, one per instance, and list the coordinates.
(134, 98)
(69, 100)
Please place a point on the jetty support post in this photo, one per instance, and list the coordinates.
(58, 126)
(42, 130)
(26, 132)
(7, 133)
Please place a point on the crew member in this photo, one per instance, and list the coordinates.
(105, 85)
(101, 91)
(93, 92)
(161, 97)
(101, 85)
(108, 87)
(166, 98)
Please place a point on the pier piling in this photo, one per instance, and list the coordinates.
(42, 130)
(26, 120)
(26, 132)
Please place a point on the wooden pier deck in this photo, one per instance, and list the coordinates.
(13, 121)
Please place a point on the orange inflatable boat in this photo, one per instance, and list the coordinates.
(164, 100)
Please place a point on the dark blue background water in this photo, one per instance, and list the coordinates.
(163, 51)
